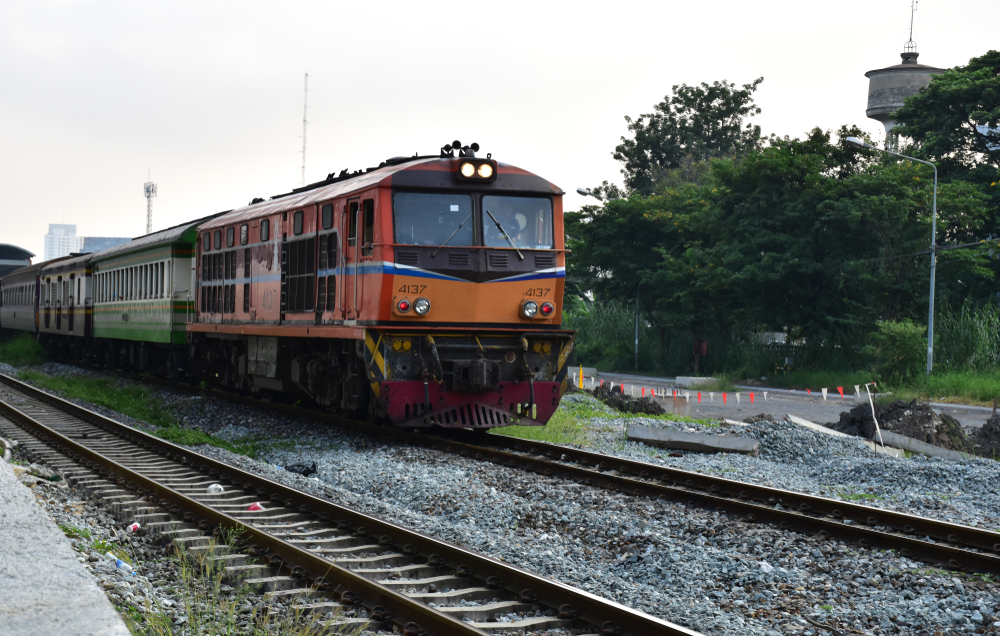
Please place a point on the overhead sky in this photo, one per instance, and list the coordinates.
(208, 95)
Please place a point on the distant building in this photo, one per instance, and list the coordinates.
(61, 241)
(98, 243)
(13, 257)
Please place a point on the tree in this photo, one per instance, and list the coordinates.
(956, 119)
(697, 123)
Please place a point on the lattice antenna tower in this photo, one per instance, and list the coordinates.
(910, 45)
(150, 189)
(305, 106)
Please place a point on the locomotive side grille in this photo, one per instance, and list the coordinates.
(459, 259)
(545, 260)
(408, 257)
(497, 260)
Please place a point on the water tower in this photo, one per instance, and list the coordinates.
(889, 87)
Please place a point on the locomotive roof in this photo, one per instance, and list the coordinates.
(170, 235)
(416, 172)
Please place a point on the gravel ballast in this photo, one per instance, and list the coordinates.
(699, 569)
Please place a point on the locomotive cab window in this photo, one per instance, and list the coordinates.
(526, 220)
(206, 242)
(368, 226)
(297, 223)
(217, 239)
(327, 216)
(244, 234)
(430, 219)
(265, 230)
(352, 224)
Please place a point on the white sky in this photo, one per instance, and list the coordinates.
(209, 94)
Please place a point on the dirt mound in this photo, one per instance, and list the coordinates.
(912, 419)
(613, 397)
(988, 438)
(760, 417)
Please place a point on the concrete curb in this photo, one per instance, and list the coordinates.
(44, 588)
(692, 441)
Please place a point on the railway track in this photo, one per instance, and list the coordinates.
(300, 546)
(939, 543)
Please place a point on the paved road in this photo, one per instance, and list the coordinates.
(779, 402)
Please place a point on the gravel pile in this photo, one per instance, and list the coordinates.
(699, 569)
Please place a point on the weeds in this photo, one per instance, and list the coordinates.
(75, 533)
(21, 351)
(206, 605)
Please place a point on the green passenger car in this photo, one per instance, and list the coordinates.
(143, 289)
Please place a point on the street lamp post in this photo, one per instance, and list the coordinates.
(587, 193)
(854, 141)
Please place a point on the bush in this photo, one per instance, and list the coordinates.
(968, 338)
(899, 350)
(21, 350)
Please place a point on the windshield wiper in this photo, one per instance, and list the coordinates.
(503, 232)
(438, 249)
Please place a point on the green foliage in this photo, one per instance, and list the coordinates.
(899, 349)
(21, 350)
(75, 533)
(967, 337)
(944, 117)
(696, 123)
(960, 387)
(135, 400)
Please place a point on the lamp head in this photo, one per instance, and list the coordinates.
(854, 141)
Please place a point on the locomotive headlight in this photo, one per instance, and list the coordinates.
(485, 170)
(468, 169)
(422, 306)
(529, 309)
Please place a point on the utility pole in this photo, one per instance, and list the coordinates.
(150, 189)
(305, 104)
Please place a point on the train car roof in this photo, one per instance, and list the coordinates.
(407, 172)
(32, 270)
(169, 235)
(73, 261)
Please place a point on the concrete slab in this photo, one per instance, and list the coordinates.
(44, 590)
(680, 440)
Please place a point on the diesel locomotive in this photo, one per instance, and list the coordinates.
(426, 291)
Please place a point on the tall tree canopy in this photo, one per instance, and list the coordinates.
(695, 124)
(956, 119)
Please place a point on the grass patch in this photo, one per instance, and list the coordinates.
(858, 496)
(954, 387)
(75, 533)
(141, 402)
(573, 420)
(21, 351)
(135, 400)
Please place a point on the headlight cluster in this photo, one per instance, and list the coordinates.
(421, 306)
(530, 309)
(477, 170)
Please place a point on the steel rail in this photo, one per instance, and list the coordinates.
(301, 563)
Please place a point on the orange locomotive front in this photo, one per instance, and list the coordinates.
(427, 291)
